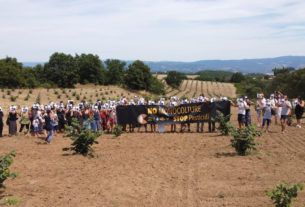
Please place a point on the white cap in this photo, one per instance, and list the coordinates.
(13, 108)
(24, 109)
(0, 108)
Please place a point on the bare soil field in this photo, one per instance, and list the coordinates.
(162, 76)
(89, 92)
(145, 169)
(193, 88)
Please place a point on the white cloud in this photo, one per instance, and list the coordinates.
(184, 30)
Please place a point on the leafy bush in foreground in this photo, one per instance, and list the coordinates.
(244, 139)
(225, 125)
(283, 194)
(82, 138)
(5, 161)
(117, 131)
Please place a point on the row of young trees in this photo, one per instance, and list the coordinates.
(65, 70)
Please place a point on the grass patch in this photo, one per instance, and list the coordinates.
(12, 201)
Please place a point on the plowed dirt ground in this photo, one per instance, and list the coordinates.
(146, 169)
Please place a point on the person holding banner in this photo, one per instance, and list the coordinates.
(173, 103)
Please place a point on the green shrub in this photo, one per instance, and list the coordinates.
(77, 97)
(82, 138)
(74, 93)
(8, 92)
(84, 97)
(55, 92)
(27, 97)
(13, 98)
(3, 96)
(12, 201)
(38, 98)
(5, 161)
(58, 96)
(117, 131)
(96, 95)
(30, 91)
(244, 139)
(19, 92)
(2, 90)
(225, 126)
(282, 195)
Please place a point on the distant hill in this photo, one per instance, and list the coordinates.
(31, 64)
(263, 65)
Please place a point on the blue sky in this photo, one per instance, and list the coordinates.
(177, 30)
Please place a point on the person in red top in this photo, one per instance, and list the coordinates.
(104, 118)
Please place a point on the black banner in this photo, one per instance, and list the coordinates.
(186, 113)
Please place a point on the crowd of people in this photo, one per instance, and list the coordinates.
(51, 119)
(277, 105)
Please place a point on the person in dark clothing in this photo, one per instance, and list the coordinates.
(48, 125)
(1, 121)
(299, 110)
(12, 121)
(61, 119)
(69, 116)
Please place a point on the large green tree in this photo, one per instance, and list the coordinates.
(115, 71)
(237, 77)
(11, 73)
(62, 69)
(91, 69)
(138, 76)
(174, 78)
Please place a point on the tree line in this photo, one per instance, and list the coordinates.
(286, 80)
(64, 70)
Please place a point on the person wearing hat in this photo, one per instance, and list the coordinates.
(1, 121)
(299, 110)
(12, 120)
(242, 106)
(96, 124)
(286, 107)
(48, 117)
(248, 112)
(267, 115)
(61, 118)
(24, 120)
(260, 103)
(273, 103)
